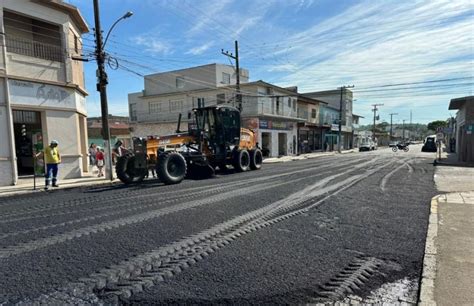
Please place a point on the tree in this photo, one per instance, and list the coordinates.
(434, 125)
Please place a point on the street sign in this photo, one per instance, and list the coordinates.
(470, 129)
(447, 130)
(334, 127)
(439, 136)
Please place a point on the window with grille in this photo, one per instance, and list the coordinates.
(220, 98)
(32, 37)
(225, 78)
(133, 112)
(179, 82)
(154, 107)
(176, 105)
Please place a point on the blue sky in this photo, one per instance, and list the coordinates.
(314, 44)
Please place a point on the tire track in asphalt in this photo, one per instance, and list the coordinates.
(137, 208)
(129, 191)
(132, 276)
(130, 201)
(8, 251)
(119, 192)
(385, 179)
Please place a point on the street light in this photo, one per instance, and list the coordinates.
(102, 83)
(127, 15)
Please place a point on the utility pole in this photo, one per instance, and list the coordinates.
(391, 124)
(340, 119)
(102, 88)
(237, 72)
(375, 118)
(403, 127)
(411, 127)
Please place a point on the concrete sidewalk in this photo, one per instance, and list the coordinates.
(26, 185)
(448, 266)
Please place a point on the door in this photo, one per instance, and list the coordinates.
(282, 145)
(266, 144)
(28, 139)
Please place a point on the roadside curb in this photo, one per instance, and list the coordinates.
(429, 260)
(20, 190)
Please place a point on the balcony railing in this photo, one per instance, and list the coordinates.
(34, 49)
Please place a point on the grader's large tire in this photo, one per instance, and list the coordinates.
(256, 159)
(241, 160)
(171, 168)
(126, 172)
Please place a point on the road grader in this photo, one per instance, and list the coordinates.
(215, 139)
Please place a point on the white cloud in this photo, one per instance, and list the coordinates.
(200, 49)
(213, 9)
(376, 43)
(152, 44)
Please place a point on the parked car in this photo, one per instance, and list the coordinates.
(367, 145)
(429, 144)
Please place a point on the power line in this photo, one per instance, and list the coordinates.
(413, 83)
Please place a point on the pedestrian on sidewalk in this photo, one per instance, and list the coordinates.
(52, 159)
(92, 154)
(100, 157)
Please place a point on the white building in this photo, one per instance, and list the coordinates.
(42, 94)
(267, 109)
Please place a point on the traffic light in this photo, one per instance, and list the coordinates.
(23, 130)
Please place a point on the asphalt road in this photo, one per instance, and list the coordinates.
(333, 228)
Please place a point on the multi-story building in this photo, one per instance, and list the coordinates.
(464, 142)
(311, 128)
(42, 92)
(119, 130)
(334, 98)
(267, 109)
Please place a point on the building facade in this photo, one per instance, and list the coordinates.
(119, 130)
(42, 92)
(267, 109)
(330, 114)
(464, 127)
(311, 130)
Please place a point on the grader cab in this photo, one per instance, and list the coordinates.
(215, 139)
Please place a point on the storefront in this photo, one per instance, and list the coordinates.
(310, 139)
(275, 137)
(40, 113)
(28, 135)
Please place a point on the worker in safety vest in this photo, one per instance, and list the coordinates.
(52, 159)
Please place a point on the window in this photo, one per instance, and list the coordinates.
(220, 98)
(277, 105)
(179, 82)
(31, 37)
(176, 105)
(133, 112)
(289, 102)
(225, 78)
(294, 105)
(313, 113)
(200, 102)
(154, 107)
(76, 44)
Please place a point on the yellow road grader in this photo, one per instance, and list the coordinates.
(214, 139)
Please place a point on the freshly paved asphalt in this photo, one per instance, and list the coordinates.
(370, 208)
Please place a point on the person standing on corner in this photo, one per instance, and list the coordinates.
(52, 159)
(100, 161)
